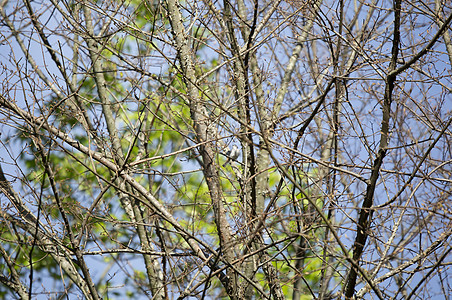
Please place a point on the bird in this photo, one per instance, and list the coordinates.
(232, 154)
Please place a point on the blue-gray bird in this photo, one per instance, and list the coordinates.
(232, 154)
